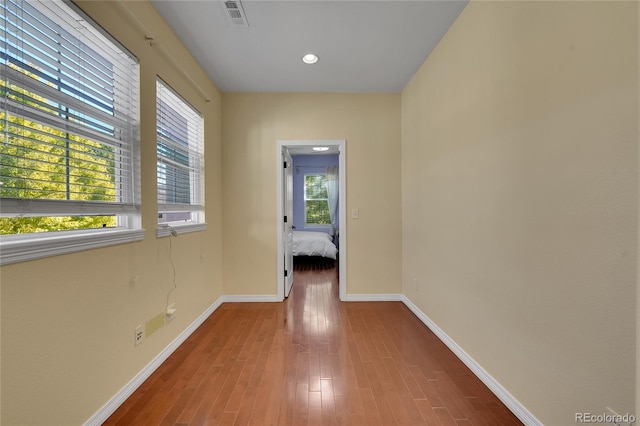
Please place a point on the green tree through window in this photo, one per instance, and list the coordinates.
(41, 162)
(316, 203)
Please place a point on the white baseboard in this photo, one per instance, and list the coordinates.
(112, 405)
(251, 298)
(507, 399)
(348, 298)
(373, 298)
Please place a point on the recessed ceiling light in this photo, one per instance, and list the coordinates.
(310, 58)
(321, 148)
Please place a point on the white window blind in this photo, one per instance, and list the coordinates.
(68, 116)
(180, 159)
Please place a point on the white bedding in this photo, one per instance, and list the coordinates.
(307, 243)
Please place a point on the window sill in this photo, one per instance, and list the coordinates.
(22, 248)
(165, 230)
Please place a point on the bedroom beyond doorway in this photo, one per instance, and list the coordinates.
(311, 202)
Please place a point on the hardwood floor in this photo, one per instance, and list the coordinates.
(313, 360)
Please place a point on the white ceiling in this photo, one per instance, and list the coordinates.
(364, 46)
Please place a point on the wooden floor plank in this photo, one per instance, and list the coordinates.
(313, 360)
(428, 415)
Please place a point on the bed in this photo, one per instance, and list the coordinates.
(314, 244)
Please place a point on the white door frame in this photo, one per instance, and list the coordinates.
(287, 226)
(342, 208)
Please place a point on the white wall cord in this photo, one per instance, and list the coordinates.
(173, 267)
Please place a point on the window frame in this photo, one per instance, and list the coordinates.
(34, 245)
(304, 180)
(193, 121)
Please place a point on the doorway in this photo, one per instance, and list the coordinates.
(288, 148)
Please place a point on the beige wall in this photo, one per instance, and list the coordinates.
(68, 321)
(252, 125)
(520, 198)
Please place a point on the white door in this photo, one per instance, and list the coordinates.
(287, 220)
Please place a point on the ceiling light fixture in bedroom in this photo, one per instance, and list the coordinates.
(321, 148)
(310, 58)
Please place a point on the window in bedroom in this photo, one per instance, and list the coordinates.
(316, 200)
(180, 164)
(69, 123)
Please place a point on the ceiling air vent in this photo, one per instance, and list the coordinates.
(235, 13)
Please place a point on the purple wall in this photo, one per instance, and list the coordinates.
(308, 164)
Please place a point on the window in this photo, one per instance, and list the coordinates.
(180, 163)
(69, 123)
(316, 200)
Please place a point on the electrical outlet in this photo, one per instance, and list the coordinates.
(138, 335)
(171, 312)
